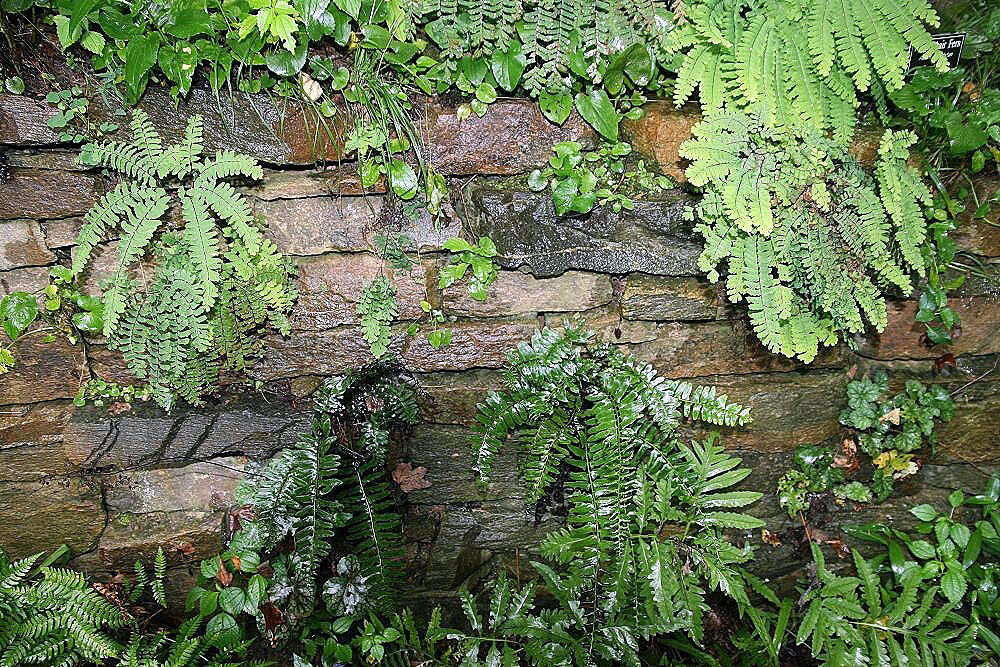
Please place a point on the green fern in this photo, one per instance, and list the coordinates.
(809, 241)
(859, 619)
(329, 493)
(216, 283)
(377, 308)
(803, 63)
(56, 619)
(608, 420)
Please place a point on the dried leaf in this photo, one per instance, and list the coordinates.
(770, 538)
(272, 619)
(892, 416)
(119, 407)
(847, 457)
(223, 575)
(185, 548)
(942, 361)
(852, 371)
(840, 548)
(410, 478)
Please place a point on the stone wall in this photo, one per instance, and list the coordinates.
(116, 486)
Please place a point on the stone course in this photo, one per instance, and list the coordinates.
(116, 486)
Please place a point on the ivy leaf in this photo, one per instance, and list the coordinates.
(508, 66)
(597, 109)
(89, 322)
(17, 311)
(555, 107)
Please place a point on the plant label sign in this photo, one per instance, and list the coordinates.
(951, 46)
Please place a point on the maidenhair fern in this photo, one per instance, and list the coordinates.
(377, 308)
(607, 420)
(808, 240)
(328, 495)
(802, 61)
(215, 281)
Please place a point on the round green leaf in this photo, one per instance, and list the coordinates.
(17, 311)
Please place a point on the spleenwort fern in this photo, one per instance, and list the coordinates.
(330, 496)
(215, 282)
(56, 619)
(609, 421)
(807, 238)
(377, 308)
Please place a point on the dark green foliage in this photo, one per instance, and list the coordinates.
(807, 239)
(328, 497)
(642, 544)
(53, 619)
(216, 282)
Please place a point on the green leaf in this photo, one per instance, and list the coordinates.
(403, 179)
(78, 11)
(232, 600)
(286, 63)
(17, 311)
(457, 244)
(350, 7)
(508, 66)
(921, 549)
(924, 512)
(731, 520)
(953, 585)
(956, 498)
(486, 93)
(556, 107)
(139, 56)
(89, 322)
(190, 22)
(222, 630)
(598, 110)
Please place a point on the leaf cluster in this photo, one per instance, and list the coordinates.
(579, 180)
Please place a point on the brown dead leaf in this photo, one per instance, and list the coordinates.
(272, 619)
(847, 457)
(265, 569)
(119, 407)
(892, 416)
(852, 371)
(770, 538)
(185, 548)
(224, 576)
(410, 478)
(839, 547)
